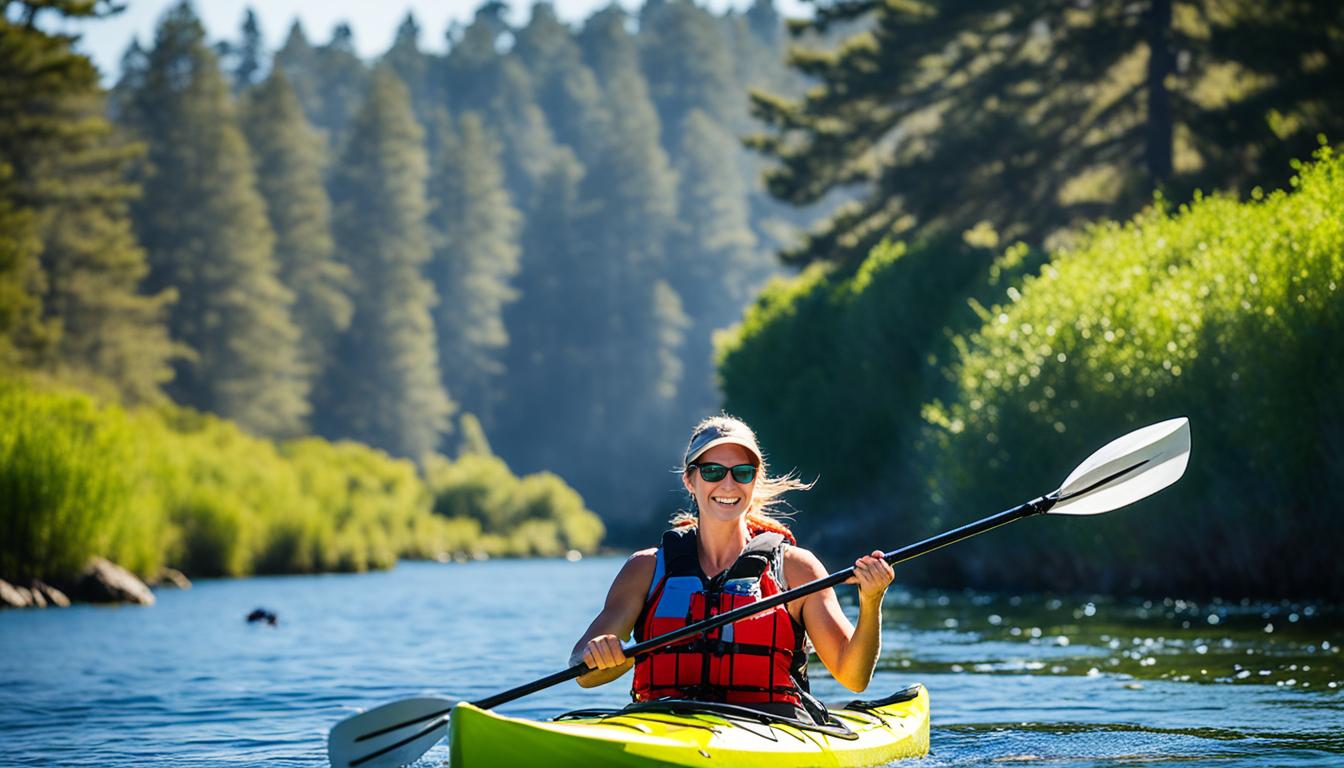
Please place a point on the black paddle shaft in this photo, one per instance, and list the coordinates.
(1034, 507)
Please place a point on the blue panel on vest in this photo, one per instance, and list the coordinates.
(676, 600)
(727, 634)
(749, 586)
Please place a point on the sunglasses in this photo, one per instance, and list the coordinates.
(713, 473)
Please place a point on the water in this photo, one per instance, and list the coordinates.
(1064, 684)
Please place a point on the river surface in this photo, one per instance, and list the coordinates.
(1015, 680)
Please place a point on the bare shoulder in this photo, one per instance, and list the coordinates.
(643, 561)
(637, 573)
(801, 566)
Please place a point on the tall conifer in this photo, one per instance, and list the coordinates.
(475, 227)
(717, 267)
(385, 388)
(204, 225)
(1034, 116)
(550, 352)
(689, 66)
(247, 57)
(412, 66)
(330, 80)
(567, 90)
(289, 161)
(21, 327)
(476, 76)
(630, 321)
(66, 195)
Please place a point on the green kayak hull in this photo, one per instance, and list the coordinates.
(876, 734)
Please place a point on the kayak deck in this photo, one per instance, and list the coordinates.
(867, 734)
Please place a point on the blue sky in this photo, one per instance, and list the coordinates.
(374, 23)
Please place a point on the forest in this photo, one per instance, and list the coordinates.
(931, 251)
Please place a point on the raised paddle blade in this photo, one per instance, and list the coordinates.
(394, 734)
(1127, 469)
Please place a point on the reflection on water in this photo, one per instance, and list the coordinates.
(1014, 680)
(1287, 645)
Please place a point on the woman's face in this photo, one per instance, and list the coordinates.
(727, 499)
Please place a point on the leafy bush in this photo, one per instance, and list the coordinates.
(535, 515)
(64, 494)
(1230, 313)
(172, 486)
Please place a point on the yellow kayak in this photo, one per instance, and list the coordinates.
(860, 734)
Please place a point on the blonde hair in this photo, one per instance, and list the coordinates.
(768, 510)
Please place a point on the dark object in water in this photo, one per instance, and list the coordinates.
(261, 614)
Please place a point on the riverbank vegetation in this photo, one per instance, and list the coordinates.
(164, 485)
(1227, 312)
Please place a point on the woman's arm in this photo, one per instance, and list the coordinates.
(849, 652)
(600, 646)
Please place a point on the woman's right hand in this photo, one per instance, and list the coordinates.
(606, 660)
(604, 652)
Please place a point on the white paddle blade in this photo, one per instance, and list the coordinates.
(394, 734)
(1127, 469)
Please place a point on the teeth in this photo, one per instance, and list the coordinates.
(722, 500)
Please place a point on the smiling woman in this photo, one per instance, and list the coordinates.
(726, 552)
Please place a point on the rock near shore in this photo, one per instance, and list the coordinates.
(10, 596)
(103, 581)
(38, 595)
(54, 596)
(172, 578)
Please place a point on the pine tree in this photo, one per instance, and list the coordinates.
(248, 56)
(1035, 115)
(21, 326)
(205, 229)
(567, 90)
(476, 76)
(69, 249)
(551, 350)
(330, 80)
(385, 388)
(717, 266)
(412, 66)
(288, 157)
(475, 259)
(625, 323)
(689, 66)
(299, 60)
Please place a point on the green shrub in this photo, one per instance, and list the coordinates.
(537, 515)
(65, 493)
(1227, 312)
(168, 485)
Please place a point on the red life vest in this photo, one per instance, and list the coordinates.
(755, 660)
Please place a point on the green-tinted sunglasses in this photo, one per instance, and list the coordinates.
(713, 473)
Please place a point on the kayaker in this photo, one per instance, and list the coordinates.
(729, 550)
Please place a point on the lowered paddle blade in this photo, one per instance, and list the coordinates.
(1128, 469)
(391, 735)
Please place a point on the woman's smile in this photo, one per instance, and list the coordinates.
(729, 502)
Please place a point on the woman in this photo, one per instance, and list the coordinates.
(727, 553)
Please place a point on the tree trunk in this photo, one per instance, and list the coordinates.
(1160, 64)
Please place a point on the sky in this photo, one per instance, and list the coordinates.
(374, 21)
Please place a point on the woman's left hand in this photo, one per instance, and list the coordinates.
(873, 575)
